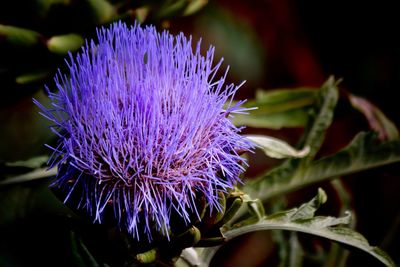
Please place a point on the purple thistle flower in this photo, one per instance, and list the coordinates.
(143, 127)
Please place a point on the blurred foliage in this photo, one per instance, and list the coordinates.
(234, 40)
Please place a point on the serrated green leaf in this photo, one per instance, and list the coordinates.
(307, 210)
(364, 152)
(276, 148)
(327, 227)
(19, 36)
(311, 226)
(62, 44)
(315, 132)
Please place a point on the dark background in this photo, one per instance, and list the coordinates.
(284, 44)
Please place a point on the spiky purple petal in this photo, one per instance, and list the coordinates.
(142, 126)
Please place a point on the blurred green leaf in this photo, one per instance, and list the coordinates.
(102, 11)
(284, 99)
(171, 8)
(19, 36)
(279, 108)
(62, 44)
(43, 6)
(257, 119)
(276, 148)
(235, 41)
(36, 174)
(296, 253)
(376, 119)
(194, 6)
(31, 77)
(337, 256)
(33, 163)
(302, 220)
(141, 13)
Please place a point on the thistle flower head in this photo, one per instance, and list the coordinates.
(144, 127)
